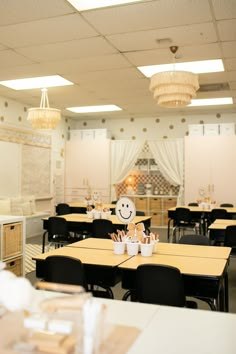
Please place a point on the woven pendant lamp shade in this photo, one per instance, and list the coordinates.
(44, 117)
(174, 88)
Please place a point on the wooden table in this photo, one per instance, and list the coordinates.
(221, 224)
(197, 213)
(83, 205)
(203, 277)
(174, 249)
(100, 265)
(78, 221)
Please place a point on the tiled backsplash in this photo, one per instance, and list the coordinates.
(153, 177)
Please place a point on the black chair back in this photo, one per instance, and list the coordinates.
(101, 228)
(218, 214)
(194, 240)
(66, 270)
(230, 236)
(182, 215)
(226, 205)
(193, 204)
(63, 209)
(160, 284)
(57, 228)
(140, 213)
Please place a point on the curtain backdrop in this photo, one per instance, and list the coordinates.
(124, 154)
(169, 155)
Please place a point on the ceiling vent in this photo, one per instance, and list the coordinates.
(222, 86)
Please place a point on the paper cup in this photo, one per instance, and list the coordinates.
(119, 247)
(132, 248)
(96, 214)
(154, 244)
(90, 214)
(146, 249)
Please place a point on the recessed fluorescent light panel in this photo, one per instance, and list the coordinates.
(36, 82)
(94, 109)
(82, 5)
(211, 101)
(197, 67)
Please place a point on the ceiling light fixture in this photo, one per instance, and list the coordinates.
(196, 67)
(94, 109)
(44, 117)
(211, 101)
(83, 5)
(174, 88)
(36, 82)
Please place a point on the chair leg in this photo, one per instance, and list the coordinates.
(43, 243)
(126, 295)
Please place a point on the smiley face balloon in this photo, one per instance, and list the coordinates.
(125, 210)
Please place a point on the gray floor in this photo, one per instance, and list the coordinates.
(118, 291)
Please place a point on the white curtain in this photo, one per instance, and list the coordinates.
(169, 155)
(124, 154)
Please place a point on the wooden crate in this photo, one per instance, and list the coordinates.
(156, 219)
(12, 240)
(169, 203)
(15, 266)
(141, 203)
(155, 204)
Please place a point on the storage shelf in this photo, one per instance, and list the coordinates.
(155, 205)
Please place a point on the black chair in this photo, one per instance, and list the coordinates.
(217, 236)
(101, 228)
(140, 213)
(183, 221)
(195, 240)
(193, 204)
(57, 233)
(63, 209)
(230, 238)
(69, 270)
(161, 285)
(200, 240)
(226, 205)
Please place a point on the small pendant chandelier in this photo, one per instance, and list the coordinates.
(44, 117)
(174, 89)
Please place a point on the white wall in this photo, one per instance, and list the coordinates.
(14, 125)
(152, 128)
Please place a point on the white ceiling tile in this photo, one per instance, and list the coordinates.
(9, 58)
(224, 9)
(14, 11)
(230, 64)
(52, 30)
(68, 50)
(229, 49)
(148, 15)
(164, 56)
(182, 35)
(227, 30)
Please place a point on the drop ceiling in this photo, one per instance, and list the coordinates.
(99, 51)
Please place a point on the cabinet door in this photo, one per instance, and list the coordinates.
(87, 164)
(210, 168)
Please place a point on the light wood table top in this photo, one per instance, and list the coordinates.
(193, 250)
(163, 248)
(197, 266)
(221, 224)
(87, 256)
(92, 242)
(113, 218)
(83, 205)
(203, 210)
